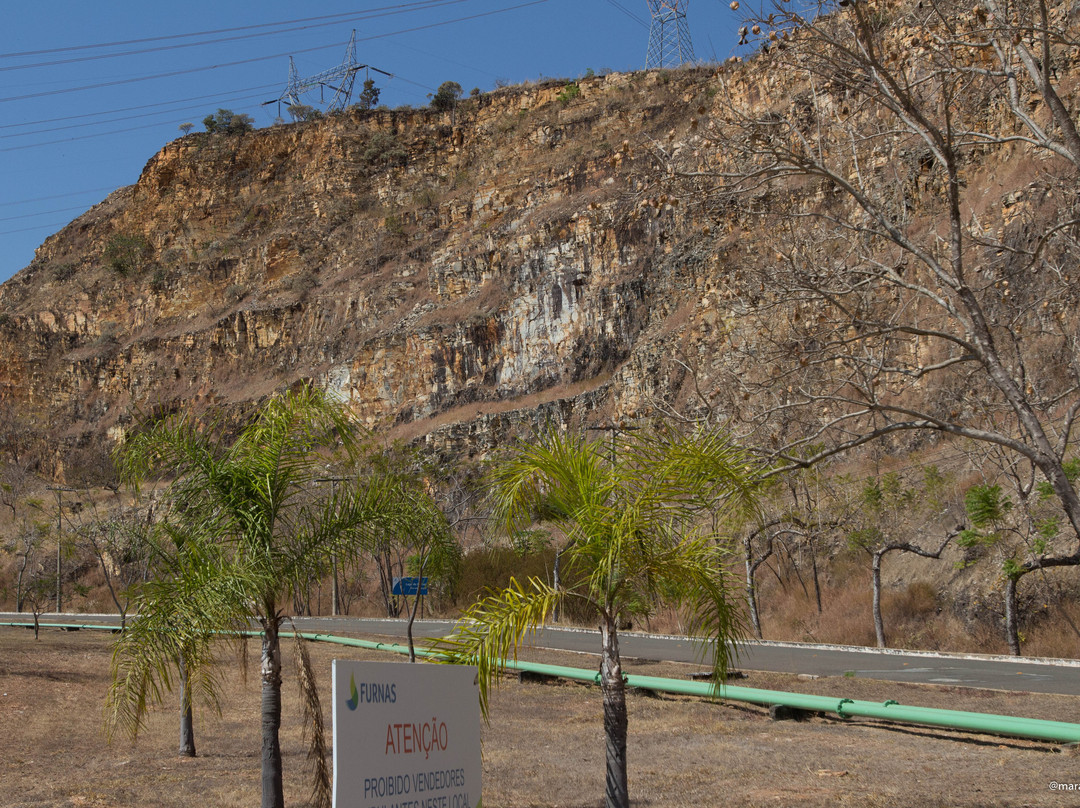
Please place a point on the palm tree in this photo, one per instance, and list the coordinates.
(633, 542)
(250, 529)
(196, 594)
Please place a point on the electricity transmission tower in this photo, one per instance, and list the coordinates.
(340, 79)
(669, 37)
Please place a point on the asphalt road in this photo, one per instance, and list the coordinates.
(999, 673)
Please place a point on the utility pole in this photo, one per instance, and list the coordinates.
(335, 592)
(614, 429)
(59, 489)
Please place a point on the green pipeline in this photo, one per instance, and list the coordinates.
(1011, 726)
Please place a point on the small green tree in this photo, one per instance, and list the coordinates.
(38, 595)
(634, 542)
(446, 97)
(227, 122)
(186, 127)
(119, 538)
(1022, 533)
(569, 93)
(28, 548)
(302, 113)
(369, 96)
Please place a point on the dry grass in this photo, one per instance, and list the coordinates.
(916, 615)
(542, 748)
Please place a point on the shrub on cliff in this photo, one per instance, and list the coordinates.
(227, 122)
(302, 113)
(384, 149)
(126, 253)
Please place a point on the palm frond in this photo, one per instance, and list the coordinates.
(493, 629)
(314, 727)
(708, 467)
(551, 477)
(696, 577)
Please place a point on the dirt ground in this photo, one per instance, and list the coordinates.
(543, 747)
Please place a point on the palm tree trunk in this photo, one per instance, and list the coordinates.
(272, 792)
(613, 689)
(187, 723)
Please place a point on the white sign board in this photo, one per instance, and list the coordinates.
(406, 735)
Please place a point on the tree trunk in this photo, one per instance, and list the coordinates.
(751, 588)
(335, 595)
(879, 624)
(556, 584)
(1012, 630)
(412, 612)
(19, 593)
(272, 793)
(817, 580)
(613, 689)
(386, 581)
(187, 723)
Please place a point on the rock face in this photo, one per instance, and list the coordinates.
(454, 276)
(435, 269)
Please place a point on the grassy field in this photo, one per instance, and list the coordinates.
(543, 747)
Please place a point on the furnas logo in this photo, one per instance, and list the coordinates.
(370, 693)
(353, 700)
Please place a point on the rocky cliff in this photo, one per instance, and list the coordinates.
(446, 273)
(453, 275)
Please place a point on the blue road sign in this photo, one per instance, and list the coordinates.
(410, 586)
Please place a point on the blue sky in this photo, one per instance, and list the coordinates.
(78, 121)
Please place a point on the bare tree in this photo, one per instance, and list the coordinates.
(33, 580)
(1011, 530)
(15, 429)
(887, 505)
(119, 537)
(28, 548)
(914, 170)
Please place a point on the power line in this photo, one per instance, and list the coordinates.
(170, 111)
(158, 48)
(32, 229)
(628, 13)
(171, 74)
(57, 196)
(342, 17)
(42, 213)
(123, 131)
(448, 61)
(259, 87)
(188, 71)
(447, 22)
